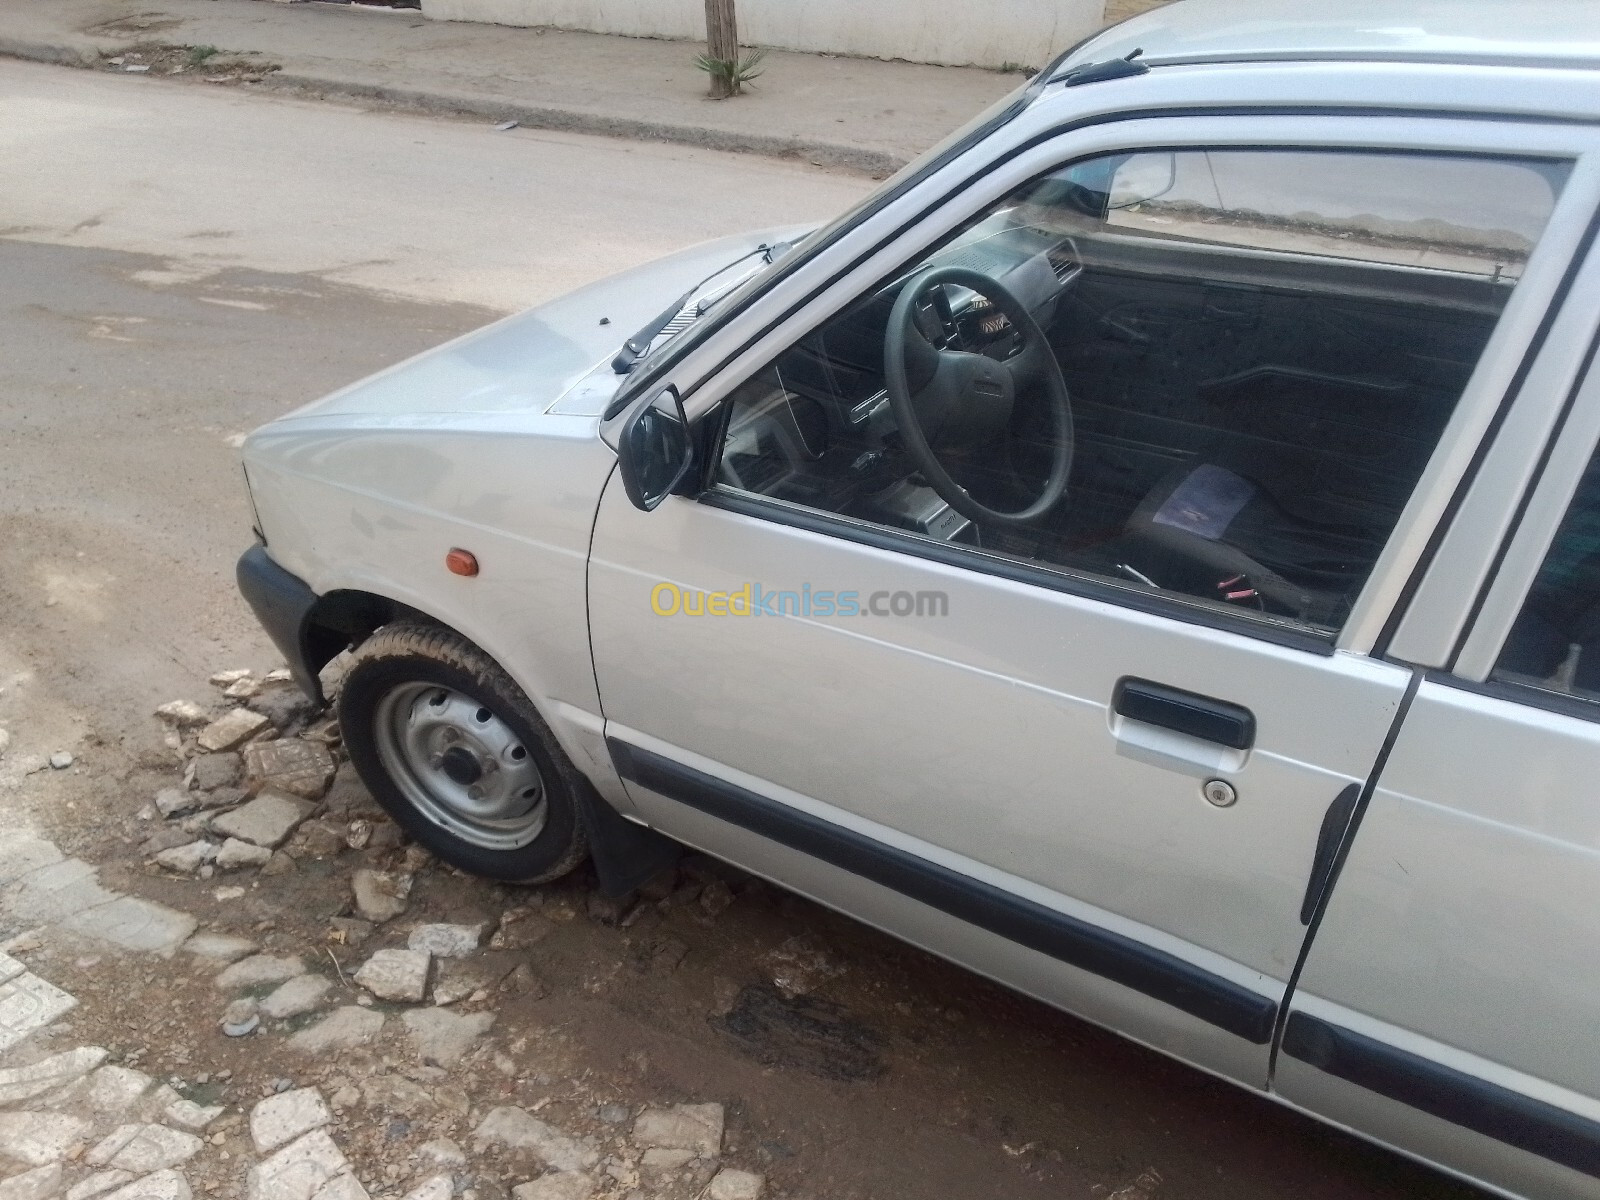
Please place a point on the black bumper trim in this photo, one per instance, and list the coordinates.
(282, 603)
(1124, 960)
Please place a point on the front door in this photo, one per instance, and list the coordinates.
(1083, 728)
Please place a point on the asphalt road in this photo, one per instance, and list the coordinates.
(179, 264)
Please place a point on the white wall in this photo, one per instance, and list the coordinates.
(988, 33)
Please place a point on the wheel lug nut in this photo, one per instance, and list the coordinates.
(475, 793)
(436, 761)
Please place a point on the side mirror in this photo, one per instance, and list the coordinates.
(1144, 177)
(655, 450)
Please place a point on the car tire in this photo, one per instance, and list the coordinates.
(458, 756)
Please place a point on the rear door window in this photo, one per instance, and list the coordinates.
(1554, 645)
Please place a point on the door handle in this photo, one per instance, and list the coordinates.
(1188, 713)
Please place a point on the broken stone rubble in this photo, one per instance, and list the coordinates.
(209, 772)
(350, 931)
(284, 1117)
(112, 1091)
(302, 994)
(23, 1083)
(142, 1149)
(396, 975)
(558, 1185)
(188, 859)
(342, 1029)
(295, 766)
(440, 1187)
(174, 802)
(320, 839)
(267, 821)
(660, 1163)
(299, 1170)
(164, 1124)
(39, 1138)
(696, 1127)
(240, 1018)
(98, 1184)
(380, 895)
(183, 714)
(517, 1129)
(37, 1184)
(232, 730)
(446, 941)
(257, 970)
(28, 1003)
(163, 1185)
(221, 947)
(442, 1152)
(442, 1038)
(236, 855)
(190, 1115)
(458, 979)
(730, 1184)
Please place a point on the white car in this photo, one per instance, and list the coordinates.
(1147, 552)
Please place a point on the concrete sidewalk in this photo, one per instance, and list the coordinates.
(863, 114)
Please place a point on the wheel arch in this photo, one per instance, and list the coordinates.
(625, 853)
(342, 619)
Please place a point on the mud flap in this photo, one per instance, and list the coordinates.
(625, 855)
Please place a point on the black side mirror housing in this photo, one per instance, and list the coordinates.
(655, 450)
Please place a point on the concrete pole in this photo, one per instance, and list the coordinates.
(722, 45)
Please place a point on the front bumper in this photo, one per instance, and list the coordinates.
(282, 603)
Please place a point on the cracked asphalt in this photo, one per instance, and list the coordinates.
(169, 278)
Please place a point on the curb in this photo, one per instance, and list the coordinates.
(61, 56)
(532, 116)
(577, 120)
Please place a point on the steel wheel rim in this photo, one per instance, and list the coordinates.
(461, 765)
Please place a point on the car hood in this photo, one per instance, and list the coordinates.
(529, 361)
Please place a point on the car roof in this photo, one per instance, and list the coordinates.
(1525, 33)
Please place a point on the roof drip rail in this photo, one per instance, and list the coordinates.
(1099, 72)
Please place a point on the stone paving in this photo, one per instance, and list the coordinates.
(79, 1122)
(75, 1126)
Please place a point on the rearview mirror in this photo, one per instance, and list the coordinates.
(655, 450)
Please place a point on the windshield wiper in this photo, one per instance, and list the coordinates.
(633, 349)
(637, 346)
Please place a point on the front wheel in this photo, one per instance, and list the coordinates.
(458, 756)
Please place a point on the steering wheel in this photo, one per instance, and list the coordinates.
(944, 398)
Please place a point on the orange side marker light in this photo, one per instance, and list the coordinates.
(461, 562)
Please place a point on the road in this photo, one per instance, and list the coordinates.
(180, 263)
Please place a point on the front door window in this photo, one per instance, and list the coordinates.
(1211, 374)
